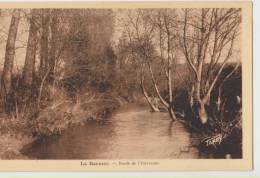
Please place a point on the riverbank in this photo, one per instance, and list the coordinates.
(16, 132)
(11, 146)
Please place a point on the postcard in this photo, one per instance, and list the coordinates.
(126, 86)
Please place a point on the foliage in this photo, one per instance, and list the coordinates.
(74, 73)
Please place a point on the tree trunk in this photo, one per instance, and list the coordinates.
(156, 87)
(169, 61)
(44, 43)
(29, 65)
(153, 108)
(53, 44)
(6, 81)
(200, 104)
(172, 114)
(202, 113)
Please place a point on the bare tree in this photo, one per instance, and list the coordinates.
(166, 27)
(10, 54)
(143, 34)
(208, 43)
(53, 43)
(29, 64)
(44, 51)
(139, 34)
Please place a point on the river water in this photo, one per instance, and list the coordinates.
(131, 133)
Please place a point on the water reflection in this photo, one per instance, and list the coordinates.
(129, 134)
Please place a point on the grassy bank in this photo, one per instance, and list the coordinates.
(21, 128)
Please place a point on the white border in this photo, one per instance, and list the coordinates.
(256, 121)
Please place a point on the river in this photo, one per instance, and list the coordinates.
(131, 133)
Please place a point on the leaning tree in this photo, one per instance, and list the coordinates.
(152, 42)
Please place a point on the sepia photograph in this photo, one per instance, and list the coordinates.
(123, 84)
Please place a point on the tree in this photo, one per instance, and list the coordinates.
(53, 43)
(145, 29)
(166, 24)
(139, 33)
(6, 81)
(29, 64)
(44, 51)
(208, 42)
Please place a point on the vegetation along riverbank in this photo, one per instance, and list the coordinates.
(63, 67)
